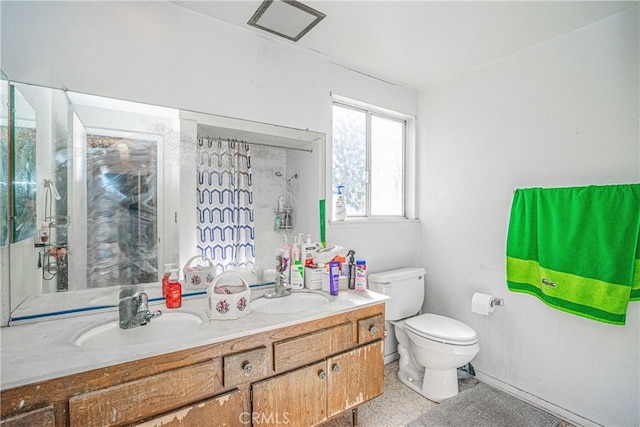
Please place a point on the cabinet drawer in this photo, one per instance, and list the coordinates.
(43, 417)
(143, 398)
(370, 329)
(244, 367)
(295, 352)
(225, 410)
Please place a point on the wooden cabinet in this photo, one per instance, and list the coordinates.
(355, 377)
(308, 348)
(309, 396)
(227, 410)
(302, 374)
(43, 417)
(371, 329)
(297, 398)
(136, 400)
(246, 366)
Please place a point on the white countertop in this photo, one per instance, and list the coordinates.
(44, 350)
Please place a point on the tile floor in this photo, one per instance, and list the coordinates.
(398, 406)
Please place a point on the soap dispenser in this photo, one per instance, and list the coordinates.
(339, 205)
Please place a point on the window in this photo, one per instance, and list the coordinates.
(368, 161)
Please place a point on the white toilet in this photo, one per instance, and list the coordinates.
(431, 347)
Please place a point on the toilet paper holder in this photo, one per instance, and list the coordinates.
(497, 301)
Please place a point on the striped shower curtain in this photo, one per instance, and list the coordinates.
(225, 228)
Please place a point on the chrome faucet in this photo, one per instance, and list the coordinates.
(134, 309)
(281, 288)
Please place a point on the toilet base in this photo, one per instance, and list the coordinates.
(412, 383)
(439, 385)
(435, 385)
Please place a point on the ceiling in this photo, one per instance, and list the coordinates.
(423, 43)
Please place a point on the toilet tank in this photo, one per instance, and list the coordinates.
(405, 289)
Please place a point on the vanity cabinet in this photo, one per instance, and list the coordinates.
(43, 417)
(309, 396)
(308, 372)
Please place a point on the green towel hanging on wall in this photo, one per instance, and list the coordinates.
(577, 249)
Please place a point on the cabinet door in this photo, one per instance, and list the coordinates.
(297, 398)
(146, 397)
(355, 377)
(43, 417)
(224, 410)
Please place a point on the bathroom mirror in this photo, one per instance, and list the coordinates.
(108, 191)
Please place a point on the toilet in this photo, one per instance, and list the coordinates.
(430, 347)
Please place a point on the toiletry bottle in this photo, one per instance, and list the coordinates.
(174, 291)
(308, 251)
(339, 205)
(285, 254)
(334, 277)
(165, 278)
(352, 270)
(361, 275)
(297, 269)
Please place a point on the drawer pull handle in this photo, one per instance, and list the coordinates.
(247, 367)
(322, 374)
(373, 329)
(335, 368)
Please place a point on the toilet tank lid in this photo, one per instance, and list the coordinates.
(395, 275)
(442, 327)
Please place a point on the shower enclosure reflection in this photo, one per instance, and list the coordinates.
(114, 193)
(23, 141)
(122, 210)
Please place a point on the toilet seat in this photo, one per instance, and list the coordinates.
(442, 329)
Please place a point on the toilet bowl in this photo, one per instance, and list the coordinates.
(430, 347)
(433, 357)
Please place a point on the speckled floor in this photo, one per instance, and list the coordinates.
(398, 406)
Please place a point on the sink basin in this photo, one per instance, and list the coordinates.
(294, 303)
(167, 326)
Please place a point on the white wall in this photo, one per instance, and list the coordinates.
(564, 113)
(165, 55)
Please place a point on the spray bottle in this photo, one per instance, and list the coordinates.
(352, 269)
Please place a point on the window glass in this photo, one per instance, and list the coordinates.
(387, 179)
(350, 157)
(368, 160)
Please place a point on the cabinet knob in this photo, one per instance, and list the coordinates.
(247, 367)
(373, 329)
(322, 374)
(335, 368)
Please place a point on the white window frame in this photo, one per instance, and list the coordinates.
(408, 166)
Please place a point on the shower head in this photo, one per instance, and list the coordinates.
(280, 174)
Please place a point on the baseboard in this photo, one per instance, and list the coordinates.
(388, 358)
(536, 401)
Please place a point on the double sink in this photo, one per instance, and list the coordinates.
(181, 323)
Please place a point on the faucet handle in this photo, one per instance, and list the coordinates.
(152, 315)
(143, 301)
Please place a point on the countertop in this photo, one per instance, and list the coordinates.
(45, 350)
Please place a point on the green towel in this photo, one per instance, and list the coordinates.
(577, 249)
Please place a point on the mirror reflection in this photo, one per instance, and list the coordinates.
(108, 191)
(23, 140)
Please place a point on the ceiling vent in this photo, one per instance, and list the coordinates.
(286, 18)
